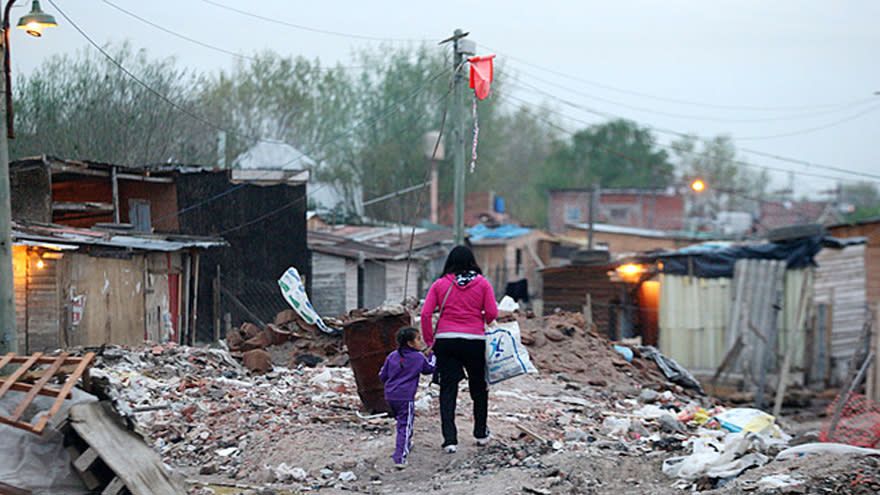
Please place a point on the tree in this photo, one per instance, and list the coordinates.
(399, 96)
(513, 146)
(860, 201)
(730, 185)
(617, 154)
(84, 107)
(272, 97)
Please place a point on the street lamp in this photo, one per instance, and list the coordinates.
(33, 23)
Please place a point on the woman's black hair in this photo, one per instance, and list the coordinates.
(406, 335)
(461, 259)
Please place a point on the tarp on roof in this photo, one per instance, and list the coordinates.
(507, 231)
(714, 261)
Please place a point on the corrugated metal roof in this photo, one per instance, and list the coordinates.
(69, 236)
(327, 243)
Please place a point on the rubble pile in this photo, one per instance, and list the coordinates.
(289, 341)
(591, 413)
(198, 407)
(561, 343)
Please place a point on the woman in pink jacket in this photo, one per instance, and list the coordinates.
(466, 303)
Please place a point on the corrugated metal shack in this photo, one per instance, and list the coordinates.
(715, 299)
(92, 287)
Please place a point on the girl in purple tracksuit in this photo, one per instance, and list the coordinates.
(400, 374)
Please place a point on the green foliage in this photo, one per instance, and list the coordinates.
(617, 154)
(83, 107)
(272, 97)
(401, 95)
(862, 198)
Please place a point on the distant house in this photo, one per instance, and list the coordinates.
(618, 239)
(775, 214)
(654, 209)
(349, 274)
(76, 286)
(509, 254)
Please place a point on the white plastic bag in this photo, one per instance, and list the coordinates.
(506, 357)
(294, 293)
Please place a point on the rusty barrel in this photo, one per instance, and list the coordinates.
(368, 341)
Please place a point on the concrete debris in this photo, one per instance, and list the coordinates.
(299, 425)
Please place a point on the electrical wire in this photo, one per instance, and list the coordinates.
(671, 100)
(607, 115)
(178, 35)
(699, 117)
(307, 28)
(208, 45)
(812, 129)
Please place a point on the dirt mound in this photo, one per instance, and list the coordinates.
(561, 343)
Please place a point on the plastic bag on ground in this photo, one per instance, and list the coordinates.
(674, 371)
(716, 459)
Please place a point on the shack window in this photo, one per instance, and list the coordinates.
(572, 213)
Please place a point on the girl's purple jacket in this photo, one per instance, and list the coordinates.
(401, 371)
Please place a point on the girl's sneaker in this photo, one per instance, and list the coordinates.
(450, 449)
(484, 440)
(400, 465)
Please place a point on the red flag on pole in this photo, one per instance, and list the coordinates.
(481, 75)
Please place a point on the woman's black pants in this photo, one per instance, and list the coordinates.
(454, 357)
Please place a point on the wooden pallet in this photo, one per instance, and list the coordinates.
(110, 459)
(58, 366)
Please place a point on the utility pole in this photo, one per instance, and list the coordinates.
(594, 206)
(8, 335)
(460, 48)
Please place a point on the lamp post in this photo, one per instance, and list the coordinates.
(33, 23)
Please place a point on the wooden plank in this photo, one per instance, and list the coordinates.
(17, 373)
(137, 465)
(6, 360)
(115, 487)
(68, 386)
(26, 387)
(84, 461)
(29, 397)
(44, 359)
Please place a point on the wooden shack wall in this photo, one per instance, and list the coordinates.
(398, 284)
(266, 230)
(871, 231)
(114, 305)
(840, 283)
(37, 302)
(567, 287)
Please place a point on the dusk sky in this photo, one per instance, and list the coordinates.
(791, 79)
